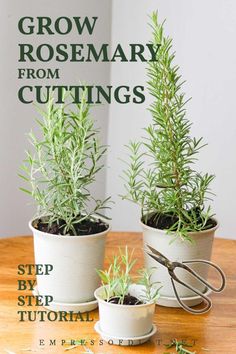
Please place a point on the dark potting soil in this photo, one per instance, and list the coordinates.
(166, 221)
(128, 300)
(86, 227)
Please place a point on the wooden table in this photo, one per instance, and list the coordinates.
(214, 332)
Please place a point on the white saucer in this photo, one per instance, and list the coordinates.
(124, 341)
(189, 301)
(60, 306)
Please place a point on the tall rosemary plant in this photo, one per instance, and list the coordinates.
(160, 176)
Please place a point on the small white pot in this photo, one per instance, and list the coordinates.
(179, 250)
(125, 321)
(74, 260)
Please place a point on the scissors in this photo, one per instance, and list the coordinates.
(171, 266)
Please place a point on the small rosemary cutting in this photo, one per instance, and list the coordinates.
(179, 347)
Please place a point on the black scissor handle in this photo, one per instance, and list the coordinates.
(207, 301)
(196, 275)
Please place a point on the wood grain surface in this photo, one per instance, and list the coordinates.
(214, 332)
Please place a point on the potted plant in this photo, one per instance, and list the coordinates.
(69, 228)
(126, 309)
(161, 176)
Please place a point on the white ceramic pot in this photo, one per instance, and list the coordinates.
(179, 250)
(125, 321)
(74, 260)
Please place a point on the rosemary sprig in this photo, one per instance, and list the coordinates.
(179, 347)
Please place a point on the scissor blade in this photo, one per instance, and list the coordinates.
(157, 253)
(160, 260)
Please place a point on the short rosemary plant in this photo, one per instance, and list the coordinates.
(117, 279)
(63, 164)
(160, 176)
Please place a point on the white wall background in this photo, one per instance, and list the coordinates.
(204, 38)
